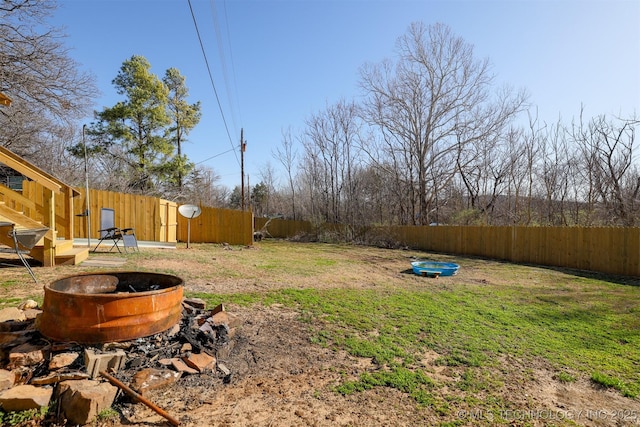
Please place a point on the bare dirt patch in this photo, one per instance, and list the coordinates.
(279, 379)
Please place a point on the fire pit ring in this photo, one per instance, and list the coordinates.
(111, 306)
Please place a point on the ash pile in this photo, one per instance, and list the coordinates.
(80, 381)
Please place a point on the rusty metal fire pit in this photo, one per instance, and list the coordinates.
(115, 306)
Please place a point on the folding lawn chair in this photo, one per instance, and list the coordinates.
(109, 232)
(129, 239)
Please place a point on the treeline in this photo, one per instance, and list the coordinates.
(433, 142)
(584, 173)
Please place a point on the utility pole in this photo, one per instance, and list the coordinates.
(86, 183)
(243, 147)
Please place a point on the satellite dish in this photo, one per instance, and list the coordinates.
(190, 211)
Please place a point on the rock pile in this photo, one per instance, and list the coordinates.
(84, 380)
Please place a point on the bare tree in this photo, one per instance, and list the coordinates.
(332, 138)
(394, 169)
(435, 98)
(555, 169)
(483, 166)
(268, 179)
(287, 156)
(607, 149)
(516, 151)
(48, 90)
(200, 187)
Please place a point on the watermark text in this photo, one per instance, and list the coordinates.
(626, 415)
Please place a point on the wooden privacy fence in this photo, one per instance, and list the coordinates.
(153, 219)
(157, 220)
(217, 226)
(284, 228)
(605, 249)
(613, 250)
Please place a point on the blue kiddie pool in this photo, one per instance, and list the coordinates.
(434, 268)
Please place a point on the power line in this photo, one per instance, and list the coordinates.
(223, 61)
(224, 120)
(217, 155)
(233, 66)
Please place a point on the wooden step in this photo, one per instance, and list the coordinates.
(66, 253)
(73, 256)
(63, 245)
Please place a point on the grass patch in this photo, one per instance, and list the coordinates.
(28, 417)
(565, 377)
(10, 301)
(414, 383)
(475, 381)
(9, 283)
(108, 414)
(627, 390)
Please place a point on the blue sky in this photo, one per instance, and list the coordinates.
(276, 62)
